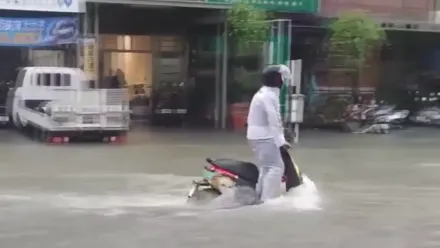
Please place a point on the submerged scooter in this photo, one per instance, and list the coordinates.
(225, 174)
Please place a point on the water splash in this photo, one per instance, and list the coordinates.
(96, 202)
(304, 197)
(137, 191)
(150, 191)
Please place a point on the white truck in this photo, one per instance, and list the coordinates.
(56, 104)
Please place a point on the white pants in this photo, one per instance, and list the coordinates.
(270, 165)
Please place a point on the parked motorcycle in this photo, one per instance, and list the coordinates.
(221, 175)
(426, 116)
(372, 118)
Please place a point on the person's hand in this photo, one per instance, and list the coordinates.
(287, 146)
(288, 135)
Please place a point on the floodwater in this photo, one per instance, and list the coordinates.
(364, 191)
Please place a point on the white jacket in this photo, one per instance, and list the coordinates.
(264, 119)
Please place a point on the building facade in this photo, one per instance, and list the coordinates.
(409, 58)
(38, 33)
(176, 59)
(175, 55)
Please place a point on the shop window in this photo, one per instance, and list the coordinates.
(141, 42)
(170, 44)
(129, 68)
(47, 58)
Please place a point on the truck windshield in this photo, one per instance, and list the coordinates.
(19, 78)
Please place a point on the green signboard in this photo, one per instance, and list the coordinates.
(303, 6)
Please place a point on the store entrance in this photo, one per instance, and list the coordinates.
(151, 61)
(133, 71)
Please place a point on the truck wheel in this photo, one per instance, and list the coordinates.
(28, 130)
(43, 136)
(35, 134)
(17, 122)
(352, 126)
(38, 135)
(11, 121)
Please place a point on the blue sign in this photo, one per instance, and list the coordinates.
(61, 3)
(37, 32)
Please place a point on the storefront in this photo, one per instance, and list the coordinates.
(147, 52)
(135, 61)
(176, 57)
(39, 33)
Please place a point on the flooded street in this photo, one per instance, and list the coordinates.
(374, 191)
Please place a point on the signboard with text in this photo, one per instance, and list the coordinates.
(290, 6)
(71, 6)
(37, 32)
(301, 6)
(89, 58)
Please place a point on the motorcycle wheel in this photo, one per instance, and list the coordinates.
(204, 196)
(351, 126)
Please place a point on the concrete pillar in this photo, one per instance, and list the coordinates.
(96, 35)
(218, 80)
(224, 85)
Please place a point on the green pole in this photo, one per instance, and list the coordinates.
(280, 55)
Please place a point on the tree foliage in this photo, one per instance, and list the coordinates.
(247, 25)
(353, 36)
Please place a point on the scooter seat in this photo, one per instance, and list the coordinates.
(245, 170)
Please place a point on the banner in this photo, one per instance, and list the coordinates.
(66, 6)
(89, 61)
(37, 32)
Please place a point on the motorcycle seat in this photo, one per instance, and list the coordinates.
(245, 170)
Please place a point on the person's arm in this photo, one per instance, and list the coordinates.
(272, 107)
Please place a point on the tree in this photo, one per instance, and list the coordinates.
(353, 37)
(248, 25)
(248, 29)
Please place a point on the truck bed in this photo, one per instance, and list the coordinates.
(94, 109)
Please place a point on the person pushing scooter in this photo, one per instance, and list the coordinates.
(265, 132)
